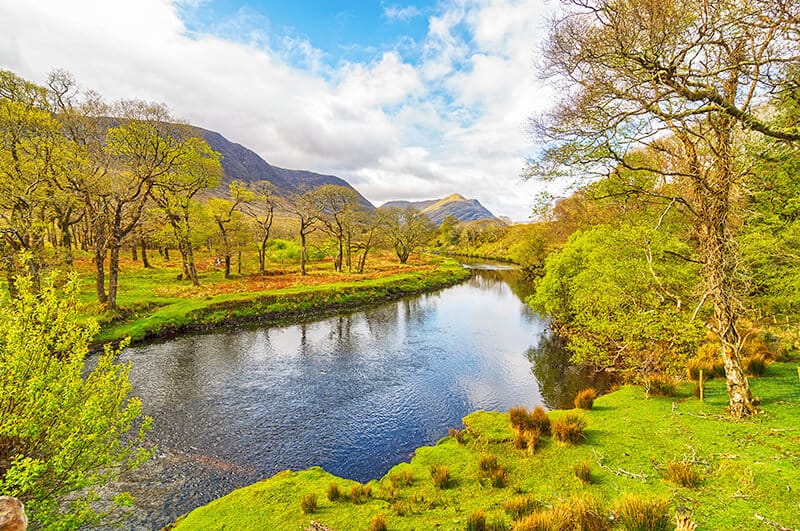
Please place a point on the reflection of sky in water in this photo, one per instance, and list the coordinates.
(354, 394)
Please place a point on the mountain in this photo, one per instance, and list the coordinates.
(240, 163)
(455, 205)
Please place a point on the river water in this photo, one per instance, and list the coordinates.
(355, 394)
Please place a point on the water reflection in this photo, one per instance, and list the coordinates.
(354, 394)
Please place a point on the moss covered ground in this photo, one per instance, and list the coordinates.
(749, 471)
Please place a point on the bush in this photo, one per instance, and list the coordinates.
(63, 430)
(476, 521)
(309, 503)
(643, 514)
(585, 399)
(540, 421)
(440, 475)
(660, 385)
(569, 428)
(709, 360)
(583, 471)
(755, 365)
(378, 523)
(682, 473)
(521, 506)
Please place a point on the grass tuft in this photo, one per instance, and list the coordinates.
(333, 492)
(440, 475)
(487, 463)
(359, 493)
(309, 503)
(755, 365)
(643, 514)
(476, 521)
(521, 506)
(660, 385)
(519, 418)
(540, 421)
(682, 473)
(587, 514)
(583, 471)
(459, 435)
(569, 428)
(378, 523)
(551, 520)
(585, 399)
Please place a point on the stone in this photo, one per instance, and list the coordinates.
(12, 514)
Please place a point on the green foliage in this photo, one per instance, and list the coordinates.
(620, 297)
(63, 431)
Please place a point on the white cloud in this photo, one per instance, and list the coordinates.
(401, 13)
(452, 122)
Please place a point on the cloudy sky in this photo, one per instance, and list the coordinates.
(409, 100)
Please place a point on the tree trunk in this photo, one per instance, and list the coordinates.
(113, 277)
(145, 261)
(134, 254)
(239, 263)
(227, 266)
(302, 253)
(166, 254)
(100, 274)
(262, 258)
(192, 268)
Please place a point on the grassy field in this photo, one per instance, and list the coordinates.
(154, 303)
(747, 473)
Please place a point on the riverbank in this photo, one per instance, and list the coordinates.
(155, 306)
(747, 472)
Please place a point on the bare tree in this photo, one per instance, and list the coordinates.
(406, 229)
(687, 79)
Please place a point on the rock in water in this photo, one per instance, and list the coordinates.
(12, 514)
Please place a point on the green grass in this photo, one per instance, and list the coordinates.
(748, 467)
(147, 315)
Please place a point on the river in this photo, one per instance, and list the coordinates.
(355, 394)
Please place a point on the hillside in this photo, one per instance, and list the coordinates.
(240, 163)
(455, 205)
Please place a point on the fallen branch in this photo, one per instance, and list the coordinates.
(773, 524)
(619, 471)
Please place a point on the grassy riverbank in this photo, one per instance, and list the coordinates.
(153, 304)
(749, 472)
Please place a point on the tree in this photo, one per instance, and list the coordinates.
(406, 229)
(261, 209)
(687, 78)
(63, 429)
(175, 194)
(304, 207)
(337, 207)
(227, 217)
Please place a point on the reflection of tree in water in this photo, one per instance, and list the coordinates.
(559, 380)
(491, 279)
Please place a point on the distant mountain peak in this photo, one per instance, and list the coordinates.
(455, 205)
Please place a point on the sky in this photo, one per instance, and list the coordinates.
(411, 100)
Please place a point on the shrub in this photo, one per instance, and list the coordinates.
(569, 428)
(476, 521)
(643, 514)
(487, 463)
(519, 418)
(660, 385)
(520, 506)
(540, 421)
(333, 492)
(63, 429)
(682, 473)
(709, 360)
(520, 440)
(583, 471)
(440, 475)
(378, 523)
(755, 365)
(309, 503)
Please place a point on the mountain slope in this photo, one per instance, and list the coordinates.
(240, 163)
(455, 205)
